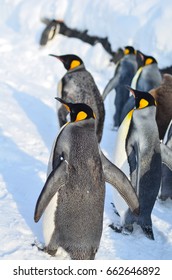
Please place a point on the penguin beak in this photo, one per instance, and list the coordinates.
(56, 56)
(131, 90)
(141, 55)
(64, 103)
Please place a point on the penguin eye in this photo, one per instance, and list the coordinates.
(74, 64)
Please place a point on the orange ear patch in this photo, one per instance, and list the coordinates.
(126, 51)
(148, 61)
(143, 103)
(81, 116)
(74, 64)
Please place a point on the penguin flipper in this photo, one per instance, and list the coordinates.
(54, 182)
(119, 181)
(111, 84)
(166, 155)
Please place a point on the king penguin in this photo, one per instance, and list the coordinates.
(124, 72)
(144, 158)
(147, 77)
(141, 148)
(78, 85)
(72, 198)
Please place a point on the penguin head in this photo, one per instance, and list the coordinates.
(129, 50)
(70, 61)
(143, 99)
(78, 111)
(146, 59)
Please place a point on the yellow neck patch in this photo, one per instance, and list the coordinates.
(74, 64)
(148, 61)
(136, 77)
(81, 116)
(143, 103)
(126, 51)
(129, 115)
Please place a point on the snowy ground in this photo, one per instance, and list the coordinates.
(28, 123)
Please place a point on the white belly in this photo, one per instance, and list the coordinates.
(166, 134)
(49, 213)
(49, 226)
(48, 219)
(120, 160)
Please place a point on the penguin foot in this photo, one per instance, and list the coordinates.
(45, 249)
(117, 229)
(38, 246)
(148, 232)
(127, 229)
(163, 197)
(50, 251)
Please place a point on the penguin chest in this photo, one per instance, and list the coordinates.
(80, 216)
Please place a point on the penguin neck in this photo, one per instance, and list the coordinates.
(154, 73)
(87, 125)
(130, 57)
(78, 68)
(151, 66)
(146, 113)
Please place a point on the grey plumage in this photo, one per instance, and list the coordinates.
(148, 78)
(78, 170)
(115, 177)
(124, 72)
(144, 157)
(80, 185)
(78, 85)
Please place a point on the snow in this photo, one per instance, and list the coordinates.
(28, 121)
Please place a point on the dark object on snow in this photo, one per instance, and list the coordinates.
(49, 32)
(117, 55)
(56, 26)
